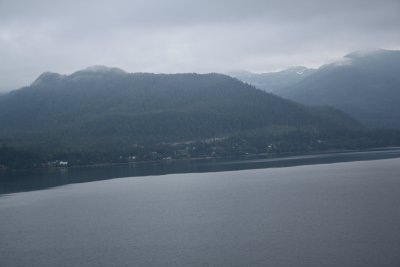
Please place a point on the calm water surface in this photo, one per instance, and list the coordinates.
(339, 214)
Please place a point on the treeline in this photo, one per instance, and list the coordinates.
(150, 108)
(12, 158)
(271, 142)
(111, 116)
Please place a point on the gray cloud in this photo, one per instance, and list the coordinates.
(186, 36)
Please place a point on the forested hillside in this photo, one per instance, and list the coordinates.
(364, 85)
(104, 114)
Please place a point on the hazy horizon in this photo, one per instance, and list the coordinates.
(186, 36)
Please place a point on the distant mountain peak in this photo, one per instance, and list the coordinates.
(239, 72)
(46, 77)
(102, 69)
(363, 83)
(366, 52)
(96, 70)
(298, 69)
(272, 81)
(47, 74)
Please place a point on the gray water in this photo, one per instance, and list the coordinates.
(340, 214)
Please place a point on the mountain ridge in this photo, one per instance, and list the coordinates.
(53, 101)
(365, 85)
(114, 117)
(273, 81)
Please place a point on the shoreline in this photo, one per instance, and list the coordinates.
(276, 156)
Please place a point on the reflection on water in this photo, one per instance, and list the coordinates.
(23, 181)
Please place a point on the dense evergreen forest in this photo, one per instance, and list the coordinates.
(364, 85)
(105, 115)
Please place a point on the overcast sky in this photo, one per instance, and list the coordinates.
(186, 36)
